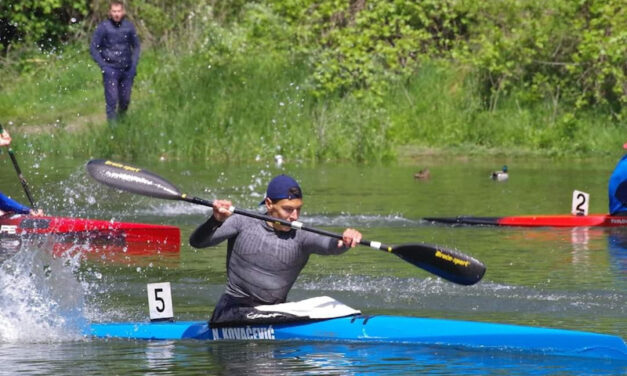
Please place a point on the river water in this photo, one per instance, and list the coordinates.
(565, 278)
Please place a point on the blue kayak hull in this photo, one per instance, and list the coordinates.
(393, 329)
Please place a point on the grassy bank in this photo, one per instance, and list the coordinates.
(257, 104)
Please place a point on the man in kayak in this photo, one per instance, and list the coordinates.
(617, 187)
(115, 48)
(263, 258)
(8, 205)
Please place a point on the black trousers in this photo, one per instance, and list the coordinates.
(232, 311)
(117, 88)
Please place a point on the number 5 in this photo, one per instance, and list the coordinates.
(160, 301)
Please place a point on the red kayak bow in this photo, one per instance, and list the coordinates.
(601, 220)
(91, 234)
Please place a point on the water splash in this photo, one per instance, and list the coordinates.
(172, 209)
(40, 299)
(78, 195)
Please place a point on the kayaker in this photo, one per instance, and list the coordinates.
(7, 205)
(617, 187)
(115, 48)
(263, 258)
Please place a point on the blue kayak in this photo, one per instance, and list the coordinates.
(390, 329)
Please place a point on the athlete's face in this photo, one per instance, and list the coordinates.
(286, 209)
(116, 12)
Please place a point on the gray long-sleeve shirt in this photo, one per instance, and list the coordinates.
(262, 263)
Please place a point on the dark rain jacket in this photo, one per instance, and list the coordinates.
(115, 45)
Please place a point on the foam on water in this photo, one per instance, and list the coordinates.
(40, 298)
(172, 209)
(434, 293)
(360, 220)
(176, 208)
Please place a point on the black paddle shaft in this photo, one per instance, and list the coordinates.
(19, 174)
(447, 263)
(294, 224)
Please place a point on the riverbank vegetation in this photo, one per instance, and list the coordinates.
(327, 80)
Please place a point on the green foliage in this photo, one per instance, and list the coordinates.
(168, 22)
(600, 60)
(43, 22)
(341, 80)
(361, 45)
(570, 54)
(560, 51)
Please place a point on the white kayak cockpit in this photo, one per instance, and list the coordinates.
(321, 307)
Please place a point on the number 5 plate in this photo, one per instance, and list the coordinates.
(160, 301)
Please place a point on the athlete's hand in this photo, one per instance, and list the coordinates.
(5, 138)
(350, 238)
(222, 209)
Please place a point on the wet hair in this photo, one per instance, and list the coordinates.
(293, 192)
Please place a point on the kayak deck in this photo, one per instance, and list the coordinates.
(93, 234)
(593, 220)
(422, 331)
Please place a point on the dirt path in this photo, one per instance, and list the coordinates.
(76, 125)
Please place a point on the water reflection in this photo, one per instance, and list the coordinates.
(275, 358)
(280, 358)
(160, 357)
(617, 248)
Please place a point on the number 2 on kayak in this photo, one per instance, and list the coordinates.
(580, 204)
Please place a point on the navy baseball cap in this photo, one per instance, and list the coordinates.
(282, 187)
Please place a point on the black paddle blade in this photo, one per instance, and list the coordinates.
(446, 263)
(132, 179)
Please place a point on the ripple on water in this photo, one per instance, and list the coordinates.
(434, 294)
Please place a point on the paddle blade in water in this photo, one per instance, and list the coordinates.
(132, 179)
(446, 263)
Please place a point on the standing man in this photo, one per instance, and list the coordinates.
(115, 48)
(617, 187)
(263, 258)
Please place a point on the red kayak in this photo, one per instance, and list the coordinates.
(566, 220)
(89, 234)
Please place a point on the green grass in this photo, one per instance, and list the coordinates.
(441, 108)
(57, 90)
(257, 104)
